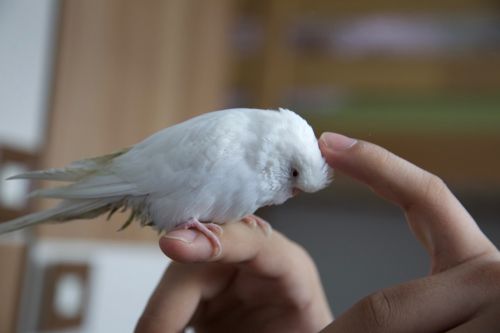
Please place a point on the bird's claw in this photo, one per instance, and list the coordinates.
(211, 231)
(215, 228)
(255, 221)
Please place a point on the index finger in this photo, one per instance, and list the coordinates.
(437, 218)
(269, 253)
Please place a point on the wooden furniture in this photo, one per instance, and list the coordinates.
(12, 259)
(437, 108)
(12, 247)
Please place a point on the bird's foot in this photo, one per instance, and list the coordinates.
(255, 221)
(210, 230)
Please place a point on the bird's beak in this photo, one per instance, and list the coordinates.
(296, 191)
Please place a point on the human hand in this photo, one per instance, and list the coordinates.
(462, 292)
(262, 282)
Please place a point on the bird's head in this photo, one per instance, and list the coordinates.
(302, 168)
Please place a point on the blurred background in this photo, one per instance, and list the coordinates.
(83, 78)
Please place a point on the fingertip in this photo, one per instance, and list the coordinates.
(336, 142)
(186, 246)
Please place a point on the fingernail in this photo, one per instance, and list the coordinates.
(184, 235)
(335, 141)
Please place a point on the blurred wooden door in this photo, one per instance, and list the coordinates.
(126, 69)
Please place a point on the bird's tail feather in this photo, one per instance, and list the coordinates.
(66, 210)
(73, 172)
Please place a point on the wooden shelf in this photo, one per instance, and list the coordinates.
(441, 109)
(348, 8)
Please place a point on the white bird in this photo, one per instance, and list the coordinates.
(212, 169)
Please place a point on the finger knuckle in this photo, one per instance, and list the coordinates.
(378, 311)
(383, 156)
(434, 184)
(485, 275)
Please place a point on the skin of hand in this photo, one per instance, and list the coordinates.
(261, 282)
(462, 291)
(255, 285)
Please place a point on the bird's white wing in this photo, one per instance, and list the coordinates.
(73, 172)
(178, 157)
(91, 179)
(185, 156)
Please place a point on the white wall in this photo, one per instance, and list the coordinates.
(26, 51)
(121, 279)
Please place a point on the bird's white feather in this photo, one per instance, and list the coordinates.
(217, 167)
(66, 210)
(96, 187)
(74, 171)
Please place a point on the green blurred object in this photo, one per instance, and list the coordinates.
(440, 114)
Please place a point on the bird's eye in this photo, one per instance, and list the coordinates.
(295, 173)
